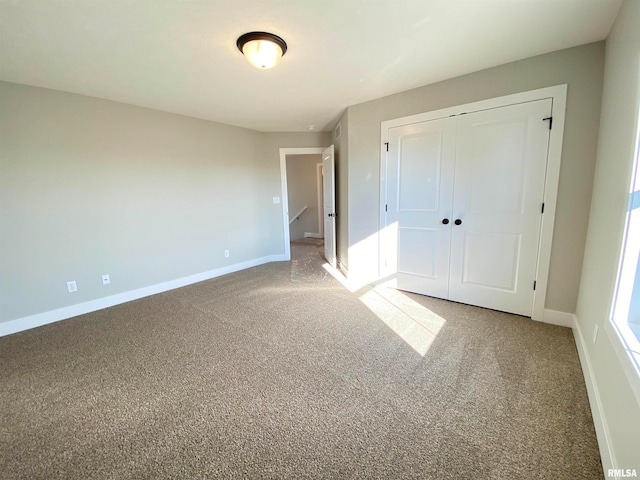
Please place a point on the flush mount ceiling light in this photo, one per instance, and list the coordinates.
(262, 49)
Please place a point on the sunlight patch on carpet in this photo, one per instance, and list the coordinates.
(416, 325)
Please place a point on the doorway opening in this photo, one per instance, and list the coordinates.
(308, 198)
(304, 192)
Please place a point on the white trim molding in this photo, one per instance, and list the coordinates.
(558, 96)
(554, 317)
(343, 269)
(597, 412)
(33, 321)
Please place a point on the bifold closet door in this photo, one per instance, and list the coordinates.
(500, 167)
(419, 200)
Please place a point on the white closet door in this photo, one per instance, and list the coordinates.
(501, 158)
(419, 197)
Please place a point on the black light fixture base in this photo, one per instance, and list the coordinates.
(248, 37)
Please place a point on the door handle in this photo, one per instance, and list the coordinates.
(458, 221)
(445, 221)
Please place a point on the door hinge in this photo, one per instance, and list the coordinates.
(534, 284)
(550, 121)
(542, 208)
(387, 144)
(385, 207)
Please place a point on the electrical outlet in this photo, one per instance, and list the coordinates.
(72, 287)
(595, 334)
(106, 280)
(226, 253)
(276, 199)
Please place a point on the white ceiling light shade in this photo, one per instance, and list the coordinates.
(263, 50)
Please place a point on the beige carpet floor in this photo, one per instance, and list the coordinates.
(308, 241)
(280, 372)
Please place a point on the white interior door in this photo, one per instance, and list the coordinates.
(463, 206)
(329, 205)
(501, 158)
(418, 207)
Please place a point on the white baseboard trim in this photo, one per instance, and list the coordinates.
(313, 235)
(33, 321)
(343, 269)
(554, 317)
(597, 412)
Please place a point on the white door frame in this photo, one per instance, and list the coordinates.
(558, 95)
(283, 185)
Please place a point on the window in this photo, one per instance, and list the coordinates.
(626, 305)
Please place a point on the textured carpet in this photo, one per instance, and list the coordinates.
(280, 372)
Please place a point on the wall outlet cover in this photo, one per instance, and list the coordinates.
(106, 280)
(72, 287)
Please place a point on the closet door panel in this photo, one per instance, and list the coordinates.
(500, 166)
(480, 268)
(419, 197)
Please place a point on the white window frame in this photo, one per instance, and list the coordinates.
(625, 342)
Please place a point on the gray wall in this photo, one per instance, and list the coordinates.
(616, 152)
(89, 186)
(302, 190)
(581, 68)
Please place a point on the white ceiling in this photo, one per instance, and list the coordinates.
(180, 55)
